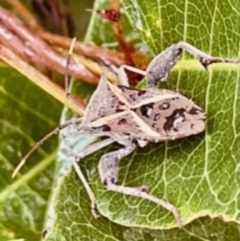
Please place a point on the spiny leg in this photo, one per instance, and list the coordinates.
(204, 58)
(160, 66)
(108, 171)
(46, 137)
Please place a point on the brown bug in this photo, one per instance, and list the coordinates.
(133, 117)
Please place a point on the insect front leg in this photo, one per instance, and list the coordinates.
(160, 66)
(108, 171)
(77, 156)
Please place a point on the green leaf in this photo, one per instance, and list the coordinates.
(26, 113)
(199, 174)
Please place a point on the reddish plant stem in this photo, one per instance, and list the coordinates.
(31, 43)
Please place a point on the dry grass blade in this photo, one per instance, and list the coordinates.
(39, 79)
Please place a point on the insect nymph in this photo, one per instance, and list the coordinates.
(133, 117)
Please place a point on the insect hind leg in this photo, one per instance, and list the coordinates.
(108, 171)
(159, 68)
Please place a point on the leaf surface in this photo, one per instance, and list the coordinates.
(199, 174)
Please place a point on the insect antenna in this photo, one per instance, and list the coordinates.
(66, 77)
(39, 143)
(60, 127)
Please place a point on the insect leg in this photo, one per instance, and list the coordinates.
(108, 171)
(77, 157)
(160, 66)
(122, 75)
(86, 186)
(204, 59)
(90, 148)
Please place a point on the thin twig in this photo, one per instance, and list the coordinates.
(87, 49)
